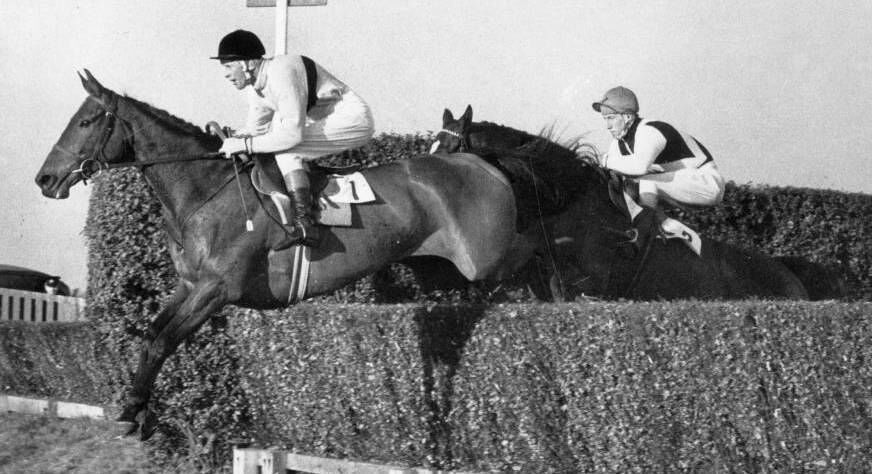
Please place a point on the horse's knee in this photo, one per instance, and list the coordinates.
(157, 349)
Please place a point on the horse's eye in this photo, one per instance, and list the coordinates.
(84, 123)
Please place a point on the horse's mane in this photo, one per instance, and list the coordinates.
(174, 123)
(546, 175)
(491, 126)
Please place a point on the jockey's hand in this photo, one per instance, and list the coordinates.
(232, 146)
(213, 128)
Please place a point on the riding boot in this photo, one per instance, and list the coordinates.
(304, 218)
(304, 231)
(292, 235)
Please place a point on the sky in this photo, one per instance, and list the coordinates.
(776, 90)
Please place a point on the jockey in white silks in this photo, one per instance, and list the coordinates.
(666, 164)
(297, 110)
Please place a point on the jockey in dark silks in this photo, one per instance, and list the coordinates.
(297, 110)
(664, 163)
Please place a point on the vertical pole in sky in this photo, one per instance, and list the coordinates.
(281, 29)
(281, 46)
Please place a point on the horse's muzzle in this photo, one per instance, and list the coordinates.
(54, 187)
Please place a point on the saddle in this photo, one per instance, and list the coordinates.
(334, 189)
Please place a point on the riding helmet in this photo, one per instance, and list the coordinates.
(240, 44)
(618, 99)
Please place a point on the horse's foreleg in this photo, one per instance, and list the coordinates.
(175, 324)
(136, 400)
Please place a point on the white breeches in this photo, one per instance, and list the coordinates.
(330, 129)
(684, 187)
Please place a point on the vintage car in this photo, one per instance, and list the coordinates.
(19, 278)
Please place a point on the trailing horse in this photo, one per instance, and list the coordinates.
(594, 250)
(456, 208)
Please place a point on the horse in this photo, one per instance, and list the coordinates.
(452, 207)
(459, 135)
(595, 251)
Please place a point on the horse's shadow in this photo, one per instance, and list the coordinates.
(443, 332)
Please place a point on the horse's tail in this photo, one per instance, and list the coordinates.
(822, 282)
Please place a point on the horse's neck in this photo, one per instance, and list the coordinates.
(487, 134)
(184, 187)
(179, 186)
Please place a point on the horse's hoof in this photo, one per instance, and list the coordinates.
(149, 425)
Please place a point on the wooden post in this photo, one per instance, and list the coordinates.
(246, 460)
(272, 462)
(281, 46)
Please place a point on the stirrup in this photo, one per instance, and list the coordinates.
(287, 241)
(311, 234)
(673, 229)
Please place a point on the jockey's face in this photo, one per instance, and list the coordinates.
(235, 72)
(618, 124)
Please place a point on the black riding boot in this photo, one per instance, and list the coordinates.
(304, 217)
(303, 229)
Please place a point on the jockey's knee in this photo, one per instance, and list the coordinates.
(712, 196)
(289, 162)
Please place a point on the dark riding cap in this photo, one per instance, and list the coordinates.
(240, 45)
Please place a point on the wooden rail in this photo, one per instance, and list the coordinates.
(18, 305)
(272, 461)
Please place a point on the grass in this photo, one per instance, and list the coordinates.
(42, 444)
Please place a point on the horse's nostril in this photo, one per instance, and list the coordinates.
(43, 179)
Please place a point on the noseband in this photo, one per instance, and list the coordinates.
(464, 146)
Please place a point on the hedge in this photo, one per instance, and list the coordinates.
(57, 360)
(738, 387)
(582, 387)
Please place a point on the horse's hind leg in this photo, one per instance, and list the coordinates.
(185, 314)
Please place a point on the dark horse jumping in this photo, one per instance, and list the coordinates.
(594, 251)
(456, 208)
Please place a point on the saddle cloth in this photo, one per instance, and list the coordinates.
(341, 191)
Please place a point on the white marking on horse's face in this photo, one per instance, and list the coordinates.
(434, 146)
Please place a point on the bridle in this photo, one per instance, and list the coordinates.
(94, 164)
(464, 145)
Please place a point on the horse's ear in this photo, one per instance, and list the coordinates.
(447, 117)
(467, 114)
(91, 85)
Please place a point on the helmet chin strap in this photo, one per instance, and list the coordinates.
(627, 126)
(249, 67)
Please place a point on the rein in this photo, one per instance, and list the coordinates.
(97, 162)
(93, 166)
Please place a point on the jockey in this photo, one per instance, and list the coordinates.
(665, 164)
(293, 116)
